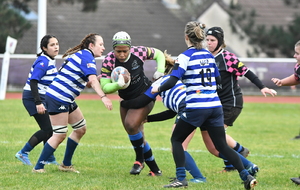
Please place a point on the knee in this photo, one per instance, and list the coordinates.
(214, 152)
(59, 138)
(79, 127)
(81, 131)
(131, 128)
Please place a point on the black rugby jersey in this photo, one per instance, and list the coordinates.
(230, 69)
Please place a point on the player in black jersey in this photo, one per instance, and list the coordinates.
(230, 68)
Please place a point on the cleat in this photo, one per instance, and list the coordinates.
(38, 171)
(296, 180)
(151, 173)
(136, 168)
(51, 160)
(176, 184)
(253, 169)
(23, 158)
(245, 152)
(227, 169)
(64, 168)
(198, 180)
(250, 183)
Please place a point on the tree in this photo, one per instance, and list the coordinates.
(11, 23)
(14, 25)
(277, 41)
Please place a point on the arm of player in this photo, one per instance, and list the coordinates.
(255, 80)
(166, 86)
(109, 87)
(97, 87)
(160, 59)
(165, 115)
(36, 96)
(288, 81)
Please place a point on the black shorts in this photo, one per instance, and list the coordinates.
(231, 114)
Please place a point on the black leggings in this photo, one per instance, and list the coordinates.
(45, 131)
(217, 135)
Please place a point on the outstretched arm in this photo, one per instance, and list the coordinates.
(255, 80)
(165, 115)
(288, 81)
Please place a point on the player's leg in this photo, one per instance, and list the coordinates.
(180, 133)
(43, 134)
(78, 124)
(230, 115)
(59, 122)
(59, 125)
(215, 128)
(132, 119)
(190, 164)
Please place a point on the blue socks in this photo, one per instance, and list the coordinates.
(46, 153)
(180, 173)
(27, 148)
(245, 162)
(191, 166)
(137, 142)
(70, 149)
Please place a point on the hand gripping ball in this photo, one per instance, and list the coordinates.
(121, 71)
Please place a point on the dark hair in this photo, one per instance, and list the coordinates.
(195, 32)
(44, 42)
(84, 44)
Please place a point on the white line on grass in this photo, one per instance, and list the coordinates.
(166, 149)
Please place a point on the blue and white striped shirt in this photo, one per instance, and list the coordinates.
(171, 98)
(43, 70)
(73, 77)
(198, 71)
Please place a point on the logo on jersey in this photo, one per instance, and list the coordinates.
(240, 64)
(91, 65)
(204, 62)
(135, 65)
(62, 107)
(42, 64)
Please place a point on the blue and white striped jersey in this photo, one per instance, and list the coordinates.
(172, 97)
(43, 70)
(198, 71)
(73, 76)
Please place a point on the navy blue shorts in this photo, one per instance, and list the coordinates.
(181, 108)
(56, 107)
(204, 118)
(28, 102)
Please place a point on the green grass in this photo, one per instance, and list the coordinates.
(105, 156)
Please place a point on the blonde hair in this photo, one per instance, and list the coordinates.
(169, 63)
(196, 34)
(84, 44)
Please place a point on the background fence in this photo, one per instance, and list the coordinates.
(264, 68)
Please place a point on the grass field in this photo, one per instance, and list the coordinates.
(105, 156)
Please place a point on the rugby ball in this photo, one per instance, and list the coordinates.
(121, 71)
